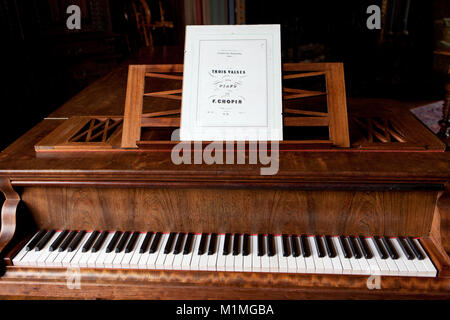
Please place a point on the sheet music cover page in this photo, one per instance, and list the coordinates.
(232, 83)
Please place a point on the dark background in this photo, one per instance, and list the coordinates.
(44, 64)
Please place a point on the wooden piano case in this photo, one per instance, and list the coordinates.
(391, 178)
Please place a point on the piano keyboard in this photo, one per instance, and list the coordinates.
(386, 256)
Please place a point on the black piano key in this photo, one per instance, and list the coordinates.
(304, 246)
(99, 241)
(344, 247)
(44, 240)
(319, 246)
(270, 245)
(202, 246)
(329, 247)
(236, 244)
(76, 241)
(212, 244)
(353, 247)
(364, 248)
(409, 255)
(67, 241)
(381, 251)
(37, 237)
(246, 245)
(286, 248)
(414, 248)
(188, 245)
(122, 242)
(390, 249)
(87, 245)
(179, 243)
(132, 242)
(294, 246)
(145, 244)
(155, 242)
(113, 242)
(58, 240)
(169, 243)
(226, 244)
(261, 249)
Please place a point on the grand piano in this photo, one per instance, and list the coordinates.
(370, 220)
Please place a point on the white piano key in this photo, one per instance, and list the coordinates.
(57, 262)
(302, 266)
(291, 260)
(265, 259)
(221, 258)
(273, 260)
(428, 264)
(393, 268)
(327, 263)
(282, 260)
(83, 263)
(187, 258)
(49, 262)
(383, 268)
(256, 260)
(374, 269)
(239, 258)
(45, 251)
(97, 256)
(17, 259)
(318, 262)
(168, 262)
(335, 261)
(356, 267)
(67, 261)
(75, 262)
(247, 266)
(345, 262)
(159, 263)
(178, 260)
(31, 257)
(203, 262)
(229, 258)
(363, 263)
(411, 268)
(195, 256)
(421, 270)
(152, 258)
(212, 259)
(141, 259)
(402, 269)
(309, 260)
(126, 261)
(102, 254)
(119, 256)
(134, 262)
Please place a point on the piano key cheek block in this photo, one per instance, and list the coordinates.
(129, 223)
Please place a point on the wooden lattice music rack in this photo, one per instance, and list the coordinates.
(161, 118)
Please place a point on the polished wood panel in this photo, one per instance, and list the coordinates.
(233, 210)
(152, 284)
(20, 162)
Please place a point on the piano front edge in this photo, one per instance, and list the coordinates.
(367, 210)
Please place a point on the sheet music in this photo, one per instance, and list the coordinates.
(232, 83)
